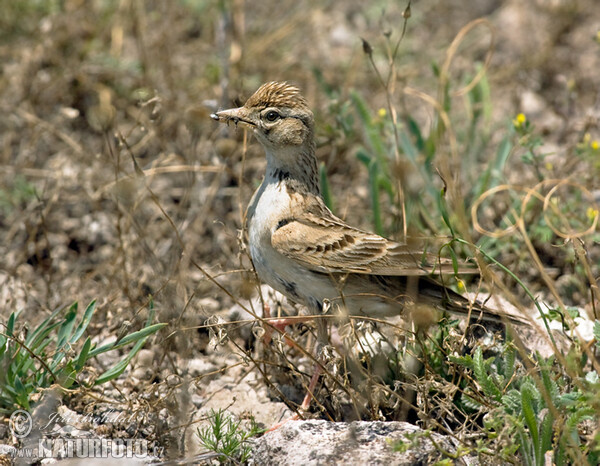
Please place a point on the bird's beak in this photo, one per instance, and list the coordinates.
(236, 115)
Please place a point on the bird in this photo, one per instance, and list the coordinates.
(300, 248)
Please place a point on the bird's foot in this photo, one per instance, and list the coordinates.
(279, 325)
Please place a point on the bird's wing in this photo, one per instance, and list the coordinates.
(324, 243)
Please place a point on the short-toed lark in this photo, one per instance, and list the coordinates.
(300, 248)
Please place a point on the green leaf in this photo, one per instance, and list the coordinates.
(546, 435)
(67, 375)
(502, 156)
(582, 414)
(120, 367)
(64, 333)
(373, 173)
(85, 321)
(414, 129)
(482, 377)
(528, 392)
(132, 337)
(43, 329)
(569, 440)
(373, 138)
(84, 354)
(361, 108)
(512, 401)
(363, 157)
(466, 360)
(509, 360)
(385, 183)
(527, 448)
(66, 327)
(550, 385)
(470, 402)
(454, 259)
(325, 188)
(22, 393)
(442, 207)
(141, 335)
(41, 341)
(408, 148)
(10, 325)
(412, 153)
(493, 173)
(591, 377)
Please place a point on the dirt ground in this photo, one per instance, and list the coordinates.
(115, 184)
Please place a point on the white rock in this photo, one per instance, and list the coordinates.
(324, 443)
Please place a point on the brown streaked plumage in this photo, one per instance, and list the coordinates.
(300, 248)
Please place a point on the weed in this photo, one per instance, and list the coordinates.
(53, 354)
(533, 412)
(225, 436)
(20, 193)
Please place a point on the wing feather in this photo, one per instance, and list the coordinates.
(325, 243)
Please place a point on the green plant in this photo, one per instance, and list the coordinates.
(22, 17)
(19, 193)
(589, 150)
(225, 436)
(536, 412)
(53, 354)
(375, 158)
(530, 141)
(395, 143)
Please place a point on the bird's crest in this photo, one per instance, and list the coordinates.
(276, 94)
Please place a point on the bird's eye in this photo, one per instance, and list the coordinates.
(272, 115)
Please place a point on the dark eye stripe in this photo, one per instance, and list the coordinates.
(304, 120)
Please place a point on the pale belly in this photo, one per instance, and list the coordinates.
(287, 277)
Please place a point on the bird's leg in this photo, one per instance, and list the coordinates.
(268, 329)
(321, 342)
(280, 325)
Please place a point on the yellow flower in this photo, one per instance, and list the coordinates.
(598, 37)
(595, 145)
(382, 112)
(591, 213)
(519, 120)
(460, 285)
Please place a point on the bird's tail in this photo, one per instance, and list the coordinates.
(430, 292)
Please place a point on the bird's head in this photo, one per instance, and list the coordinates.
(277, 113)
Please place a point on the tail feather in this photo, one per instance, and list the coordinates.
(454, 303)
